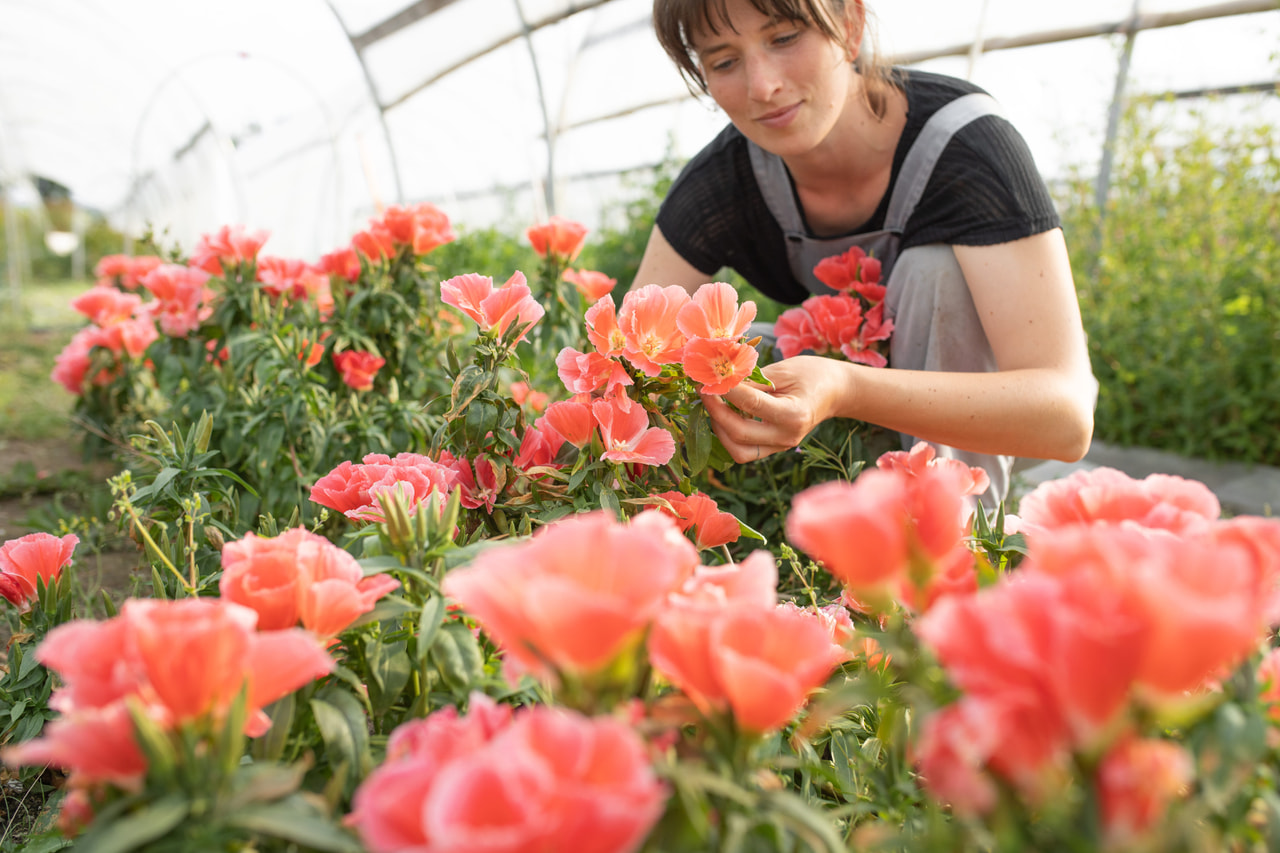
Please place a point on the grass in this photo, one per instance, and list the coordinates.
(33, 406)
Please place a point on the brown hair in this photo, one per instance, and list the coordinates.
(677, 22)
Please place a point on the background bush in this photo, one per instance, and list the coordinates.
(1179, 286)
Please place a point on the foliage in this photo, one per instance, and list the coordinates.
(394, 591)
(1178, 287)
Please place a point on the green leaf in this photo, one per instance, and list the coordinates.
(292, 820)
(344, 727)
(471, 382)
(698, 440)
(429, 622)
(138, 829)
(389, 672)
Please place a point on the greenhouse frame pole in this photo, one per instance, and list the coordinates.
(358, 50)
(1103, 184)
(549, 188)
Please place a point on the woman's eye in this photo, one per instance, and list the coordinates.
(722, 65)
(786, 38)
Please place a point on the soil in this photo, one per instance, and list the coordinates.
(55, 464)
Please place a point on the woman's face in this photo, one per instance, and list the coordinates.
(782, 83)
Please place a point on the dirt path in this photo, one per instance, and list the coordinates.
(36, 472)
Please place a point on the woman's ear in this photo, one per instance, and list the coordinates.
(855, 20)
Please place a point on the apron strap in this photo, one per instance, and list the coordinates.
(775, 182)
(918, 165)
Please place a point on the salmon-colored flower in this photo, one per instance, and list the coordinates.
(761, 663)
(525, 396)
(35, 556)
(1107, 495)
(699, 513)
(1136, 782)
(627, 436)
(423, 227)
(227, 248)
(180, 662)
(543, 778)
(713, 312)
(853, 270)
(585, 372)
(1194, 598)
(106, 305)
(125, 271)
(343, 263)
(358, 368)
(951, 755)
(572, 421)
(923, 456)
(591, 284)
(603, 330)
(887, 532)
(538, 448)
(375, 243)
(183, 299)
(558, 237)
(299, 578)
(578, 594)
(648, 319)
(718, 365)
(480, 485)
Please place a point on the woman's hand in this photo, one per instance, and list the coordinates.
(806, 391)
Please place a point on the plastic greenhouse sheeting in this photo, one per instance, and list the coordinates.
(305, 117)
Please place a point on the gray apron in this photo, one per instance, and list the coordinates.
(936, 326)
(804, 251)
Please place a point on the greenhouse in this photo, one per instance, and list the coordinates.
(639, 425)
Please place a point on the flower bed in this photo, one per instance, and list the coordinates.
(445, 564)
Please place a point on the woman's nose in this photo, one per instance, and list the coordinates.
(763, 79)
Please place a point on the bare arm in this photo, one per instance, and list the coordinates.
(1038, 403)
(662, 265)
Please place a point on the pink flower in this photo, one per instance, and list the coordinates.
(627, 436)
(591, 284)
(538, 448)
(494, 309)
(299, 577)
(1107, 495)
(858, 344)
(797, 332)
(648, 319)
(229, 247)
(699, 513)
(352, 489)
(714, 313)
(526, 396)
(603, 330)
(558, 237)
(549, 779)
(577, 595)
(718, 365)
(1136, 782)
(125, 271)
(951, 755)
(583, 373)
(481, 486)
(358, 368)
(31, 557)
(923, 456)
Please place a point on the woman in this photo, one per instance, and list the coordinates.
(988, 358)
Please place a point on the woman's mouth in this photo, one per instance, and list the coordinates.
(779, 118)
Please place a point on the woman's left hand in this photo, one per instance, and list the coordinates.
(805, 392)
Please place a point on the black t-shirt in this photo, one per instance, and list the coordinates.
(984, 190)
